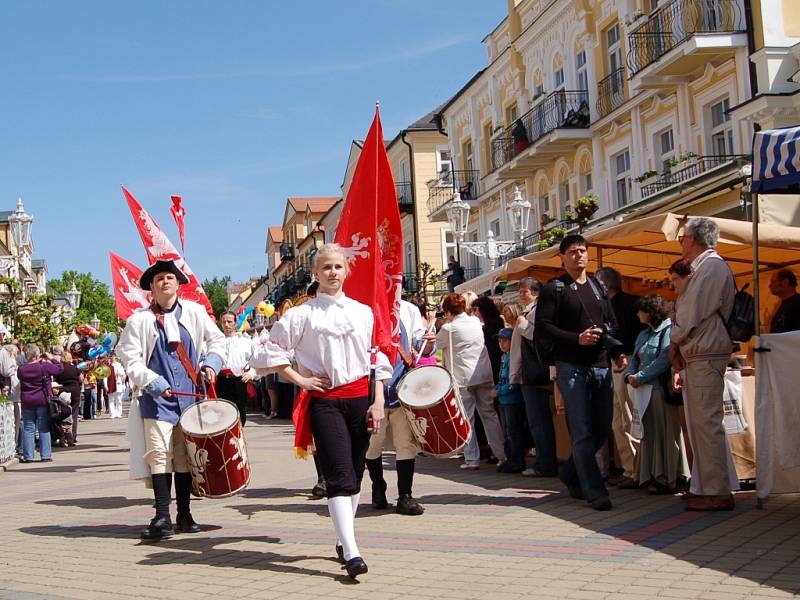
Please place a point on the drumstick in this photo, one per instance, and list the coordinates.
(430, 329)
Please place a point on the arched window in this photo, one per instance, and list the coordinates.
(564, 199)
(558, 72)
(543, 199)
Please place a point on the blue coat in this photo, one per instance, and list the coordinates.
(651, 359)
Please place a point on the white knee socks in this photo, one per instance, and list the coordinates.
(355, 499)
(342, 513)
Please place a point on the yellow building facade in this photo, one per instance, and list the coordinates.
(635, 101)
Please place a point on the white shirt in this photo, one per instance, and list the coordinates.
(470, 361)
(329, 337)
(238, 350)
(412, 321)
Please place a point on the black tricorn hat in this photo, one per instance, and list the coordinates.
(161, 266)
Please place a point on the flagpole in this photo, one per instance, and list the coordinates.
(373, 358)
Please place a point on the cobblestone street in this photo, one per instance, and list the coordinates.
(70, 529)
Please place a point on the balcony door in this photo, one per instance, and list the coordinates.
(721, 131)
(614, 57)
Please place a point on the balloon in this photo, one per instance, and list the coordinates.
(84, 366)
(102, 371)
(265, 309)
(243, 318)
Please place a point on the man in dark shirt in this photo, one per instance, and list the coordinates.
(629, 326)
(575, 320)
(783, 284)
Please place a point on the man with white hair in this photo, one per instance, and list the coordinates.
(700, 343)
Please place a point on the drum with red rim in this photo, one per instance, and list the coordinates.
(434, 409)
(215, 448)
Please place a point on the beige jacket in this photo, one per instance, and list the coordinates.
(699, 329)
(470, 361)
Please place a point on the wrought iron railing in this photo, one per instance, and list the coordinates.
(287, 252)
(694, 168)
(405, 197)
(676, 22)
(561, 109)
(441, 189)
(611, 92)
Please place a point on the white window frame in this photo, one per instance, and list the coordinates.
(613, 49)
(581, 72)
(440, 162)
(623, 177)
(725, 127)
(564, 198)
(448, 247)
(587, 187)
(662, 157)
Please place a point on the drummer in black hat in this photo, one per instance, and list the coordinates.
(160, 349)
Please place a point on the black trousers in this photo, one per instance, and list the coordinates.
(341, 437)
(234, 389)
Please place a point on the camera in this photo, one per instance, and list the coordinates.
(440, 314)
(609, 343)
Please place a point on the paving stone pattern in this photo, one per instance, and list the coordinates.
(70, 529)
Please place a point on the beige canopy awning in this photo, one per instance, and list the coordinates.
(645, 248)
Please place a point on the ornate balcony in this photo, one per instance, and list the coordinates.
(287, 252)
(696, 167)
(441, 190)
(405, 197)
(682, 35)
(611, 92)
(536, 137)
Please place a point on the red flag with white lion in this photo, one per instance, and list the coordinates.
(157, 245)
(371, 235)
(128, 296)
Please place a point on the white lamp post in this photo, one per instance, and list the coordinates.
(95, 322)
(20, 223)
(519, 212)
(73, 297)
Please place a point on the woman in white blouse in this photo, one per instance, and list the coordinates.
(329, 338)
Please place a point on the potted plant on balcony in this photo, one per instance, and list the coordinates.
(646, 177)
(554, 236)
(584, 209)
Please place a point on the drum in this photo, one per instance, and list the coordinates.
(215, 448)
(434, 409)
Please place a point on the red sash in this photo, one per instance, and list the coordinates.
(303, 438)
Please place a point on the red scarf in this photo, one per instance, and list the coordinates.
(303, 438)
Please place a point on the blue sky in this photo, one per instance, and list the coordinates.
(233, 105)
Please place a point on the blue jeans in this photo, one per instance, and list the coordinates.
(540, 424)
(589, 400)
(32, 419)
(512, 417)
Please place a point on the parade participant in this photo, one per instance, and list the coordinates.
(115, 384)
(330, 337)
(405, 444)
(159, 349)
(235, 373)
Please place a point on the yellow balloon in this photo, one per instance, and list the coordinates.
(102, 371)
(269, 311)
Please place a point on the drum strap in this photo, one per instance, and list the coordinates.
(183, 356)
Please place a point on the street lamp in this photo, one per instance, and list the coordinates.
(73, 297)
(519, 212)
(20, 223)
(95, 322)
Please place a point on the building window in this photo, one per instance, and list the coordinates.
(409, 258)
(586, 183)
(495, 227)
(444, 163)
(487, 143)
(613, 49)
(563, 197)
(581, 76)
(469, 161)
(622, 166)
(559, 78)
(544, 204)
(449, 246)
(721, 129)
(511, 114)
(666, 148)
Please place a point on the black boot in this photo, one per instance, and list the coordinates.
(406, 504)
(183, 490)
(375, 467)
(161, 525)
(320, 490)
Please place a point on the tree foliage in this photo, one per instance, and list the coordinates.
(217, 291)
(96, 298)
(32, 319)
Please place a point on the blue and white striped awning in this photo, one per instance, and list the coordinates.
(776, 159)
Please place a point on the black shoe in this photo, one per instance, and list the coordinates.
(340, 553)
(356, 566)
(509, 468)
(186, 524)
(407, 505)
(601, 503)
(320, 490)
(575, 492)
(379, 501)
(160, 527)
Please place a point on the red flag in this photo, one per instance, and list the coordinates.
(128, 296)
(157, 245)
(372, 237)
(178, 213)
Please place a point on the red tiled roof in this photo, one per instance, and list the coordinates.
(276, 233)
(318, 204)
